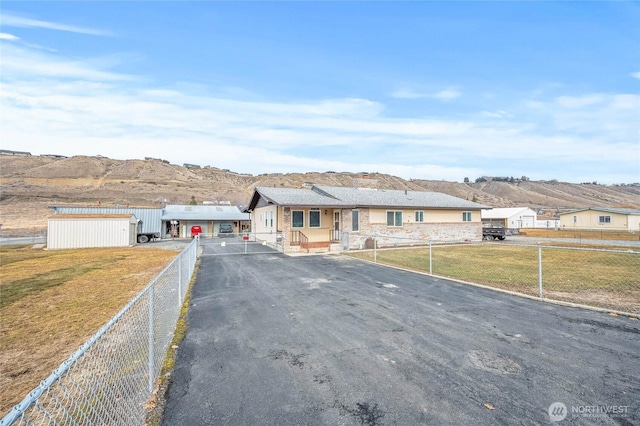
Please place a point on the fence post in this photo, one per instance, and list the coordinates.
(179, 281)
(151, 339)
(375, 250)
(540, 272)
(430, 260)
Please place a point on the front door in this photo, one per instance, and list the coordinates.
(336, 226)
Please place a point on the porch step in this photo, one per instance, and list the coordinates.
(317, 245)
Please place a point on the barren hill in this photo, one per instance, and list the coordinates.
(29, 184)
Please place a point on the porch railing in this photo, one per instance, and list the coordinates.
(304, 241)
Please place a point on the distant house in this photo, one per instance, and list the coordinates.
(10, 152)
(602, 218)
(512, 217)
(335, 218)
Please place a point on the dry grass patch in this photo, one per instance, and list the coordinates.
(580, 234)
(598, 278)
(53, 301)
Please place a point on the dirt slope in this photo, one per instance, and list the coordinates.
(29, 184)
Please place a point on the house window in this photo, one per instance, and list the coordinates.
(575, 219)
(271, 219)
(604, 219)
(355, 220)
(394, 218)
(466, 216)
(268, 219)
(314, 218)
(297, 219)
(419, 216)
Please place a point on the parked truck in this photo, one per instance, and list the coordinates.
(494, 233)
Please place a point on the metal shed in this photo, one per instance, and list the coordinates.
(149, 217)
(70, 231)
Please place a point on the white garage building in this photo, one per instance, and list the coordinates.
(512, 217)
(71, 231)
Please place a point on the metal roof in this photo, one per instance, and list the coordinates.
(632, 212)
(189, 212)
(150, 217)
(332, 196)
(504, 213)
(92, 216)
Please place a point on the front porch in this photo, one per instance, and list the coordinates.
(317, 240)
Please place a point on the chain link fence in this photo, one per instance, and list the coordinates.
(603, 278)
(109, 380)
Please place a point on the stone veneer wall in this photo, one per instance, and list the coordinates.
(409, 233)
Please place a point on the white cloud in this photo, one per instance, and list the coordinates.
(579, 101)
(497, 114)
(408, 94)
(446, 94)
(636, 75)
(9, 20)
(7, 36)
(20, 63)
(53, 105)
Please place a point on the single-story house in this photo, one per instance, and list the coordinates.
(71, 231)
(209, 218)
(511, 217)
(338, 218)
(602, 218)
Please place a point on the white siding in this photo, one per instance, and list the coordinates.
(70, 233)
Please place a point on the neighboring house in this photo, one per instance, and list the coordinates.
(71, 231)
(208, 218)
(335, 218)
(512, 217)
(602, 218)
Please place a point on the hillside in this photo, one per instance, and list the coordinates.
(29, 184)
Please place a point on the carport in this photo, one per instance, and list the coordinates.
(208, 218)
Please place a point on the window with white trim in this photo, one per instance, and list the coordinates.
(355, 220)
(314, 218)
(394, 218)
(604, 219)
(466, 216)
(419, 216)
(297, 219)
(268, 219)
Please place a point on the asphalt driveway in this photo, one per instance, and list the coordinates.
(332, 340)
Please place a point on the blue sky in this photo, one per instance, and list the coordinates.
(431, 90)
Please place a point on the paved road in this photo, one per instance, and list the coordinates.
(332, 340)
